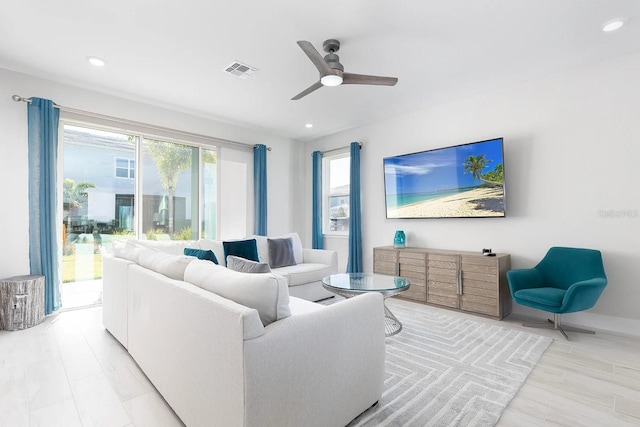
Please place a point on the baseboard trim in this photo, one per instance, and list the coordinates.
(585, 319)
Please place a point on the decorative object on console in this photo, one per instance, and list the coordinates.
(565, 281)
(281, 252)
(247, 249)
(399, 240)
(462, 181)
(487, 252)
(466, 281)
(207, 255)
(246, 266)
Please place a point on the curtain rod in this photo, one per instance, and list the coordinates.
(18, 98)
(333, 150)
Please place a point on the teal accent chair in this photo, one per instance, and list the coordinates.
(565, 281)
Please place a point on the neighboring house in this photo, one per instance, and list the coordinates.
(108, 161)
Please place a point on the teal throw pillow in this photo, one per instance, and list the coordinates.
(201, 254)
(247, 249)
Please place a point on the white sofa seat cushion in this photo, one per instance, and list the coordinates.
(304, 273)
(266, 292)
(172, 266)
(301, 306)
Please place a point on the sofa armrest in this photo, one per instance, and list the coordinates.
(114, 296)
(321, 256)
(330, 358)
(583, 295)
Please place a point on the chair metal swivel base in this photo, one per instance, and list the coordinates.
(555, 324)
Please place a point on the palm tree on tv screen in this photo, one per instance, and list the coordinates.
(476, 164)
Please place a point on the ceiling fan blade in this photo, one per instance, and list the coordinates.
(307, 91)
(315, 57)
(362, 79)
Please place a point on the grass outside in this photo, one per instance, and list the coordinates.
(69, 267)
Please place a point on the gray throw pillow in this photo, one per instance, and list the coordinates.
(246, 266)
(281, 252)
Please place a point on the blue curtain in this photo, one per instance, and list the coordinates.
(316, 221)
(354, 263)
(43, 120)
(260, 189)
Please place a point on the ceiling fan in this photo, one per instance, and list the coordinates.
(332, 72)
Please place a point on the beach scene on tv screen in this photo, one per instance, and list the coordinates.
(453, 182)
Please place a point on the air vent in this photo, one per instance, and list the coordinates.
(241, 70)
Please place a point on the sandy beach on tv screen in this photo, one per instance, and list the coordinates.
(477, 202)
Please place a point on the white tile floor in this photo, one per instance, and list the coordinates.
(69, 371)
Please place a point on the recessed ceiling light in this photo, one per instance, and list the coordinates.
(95, 61)
(613, 25)
(309, 125)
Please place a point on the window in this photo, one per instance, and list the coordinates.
(335, 198)
(125, 168)
(173, 196)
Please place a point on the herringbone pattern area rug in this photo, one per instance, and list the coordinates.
(446, 370)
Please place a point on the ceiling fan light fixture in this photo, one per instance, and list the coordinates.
(331, 80)
(613, 25)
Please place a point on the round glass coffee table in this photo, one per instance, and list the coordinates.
(352, 284)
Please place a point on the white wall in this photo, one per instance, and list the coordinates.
(572, 144)
(14, 212)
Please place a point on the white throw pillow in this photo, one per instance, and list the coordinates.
(212, 245)
(128, 249)
(266, 292)
(172, 266)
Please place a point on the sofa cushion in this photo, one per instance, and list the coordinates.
(172, 266)
(246, 265)
(263, 246)
(215, 246)
(173, 247)
(304, 273)
(128, 250)
(281, 253)
(300, 306)
(268, 293)
(247, 249)
(205, 254)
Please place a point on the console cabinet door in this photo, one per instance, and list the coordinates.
(413, 265)
(479, 292)
(442, 279)
(385, 261)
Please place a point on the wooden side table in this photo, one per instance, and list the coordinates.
(21, 302)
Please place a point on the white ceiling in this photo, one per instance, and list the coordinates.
(172, 53)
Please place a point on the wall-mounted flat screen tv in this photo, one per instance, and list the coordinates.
(463, 181)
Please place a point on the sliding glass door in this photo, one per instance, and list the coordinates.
(99, 170)
(122, 186)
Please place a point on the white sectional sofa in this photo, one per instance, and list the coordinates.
(304, 278)
(233, 349)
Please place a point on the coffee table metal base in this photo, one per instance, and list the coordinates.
(391, 323)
